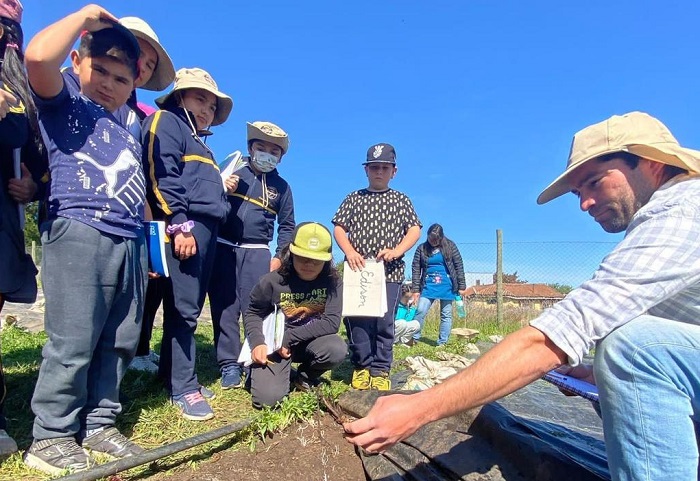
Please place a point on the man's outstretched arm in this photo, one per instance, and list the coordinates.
(519, 359)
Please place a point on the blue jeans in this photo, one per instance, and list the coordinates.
(649, 382)
(445, 318)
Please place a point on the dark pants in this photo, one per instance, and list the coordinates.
(94, 284)
(236, 271)
(154, 296)
(270, 383)
(372, 338)
(183, 299)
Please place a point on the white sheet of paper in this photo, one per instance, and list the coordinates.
(364, 291)
(273, 328)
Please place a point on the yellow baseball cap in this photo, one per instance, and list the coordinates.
(313, 241)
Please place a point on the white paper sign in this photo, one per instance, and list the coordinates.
(273, 328)
(364, 291)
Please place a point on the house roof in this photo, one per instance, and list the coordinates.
(515, 291)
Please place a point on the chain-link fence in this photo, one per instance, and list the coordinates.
(535, 275)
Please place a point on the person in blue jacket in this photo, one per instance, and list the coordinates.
(259, 196)
(185, 190)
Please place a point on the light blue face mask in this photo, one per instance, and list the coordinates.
(264, 162)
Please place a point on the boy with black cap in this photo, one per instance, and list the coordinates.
(258, 197)
(376, 222)
(94, 256)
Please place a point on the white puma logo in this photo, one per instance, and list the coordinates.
(131, 193)
(125, 160)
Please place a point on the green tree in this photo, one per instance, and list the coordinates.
(31, 229)
(510, 278)
(563, 288)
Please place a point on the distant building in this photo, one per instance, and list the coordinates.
(532, 296)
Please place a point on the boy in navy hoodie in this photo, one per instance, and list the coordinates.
(185, 190)
(258, 197)
(94, 256)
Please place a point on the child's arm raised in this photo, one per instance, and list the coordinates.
(50, 47)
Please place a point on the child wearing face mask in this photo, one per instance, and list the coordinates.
(258, 196)
(184, 189)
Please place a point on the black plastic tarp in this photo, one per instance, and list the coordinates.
(534, 434)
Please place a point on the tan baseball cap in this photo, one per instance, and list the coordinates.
(268, 132)
(164, 73)
(196, 78)
(635, 132)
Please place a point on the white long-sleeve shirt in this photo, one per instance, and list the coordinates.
(654, 270)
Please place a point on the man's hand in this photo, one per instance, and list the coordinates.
(7, 101)
(388, 255)
(355, 260)
(231, 183)
(96, 18)
(22, 190)
(259, 354)
(392, 419)
(284, 352)
(185, 245)
(275, 264)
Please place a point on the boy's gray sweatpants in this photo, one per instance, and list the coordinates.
(94, 284)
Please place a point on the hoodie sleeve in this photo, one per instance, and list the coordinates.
(262, 303)
(327, 323)
(163, 147)
(285, 222)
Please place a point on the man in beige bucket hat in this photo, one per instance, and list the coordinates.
(640, 312)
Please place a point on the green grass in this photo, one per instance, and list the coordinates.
(149, 419)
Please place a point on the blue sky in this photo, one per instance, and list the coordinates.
(480, 98)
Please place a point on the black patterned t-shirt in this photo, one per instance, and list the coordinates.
(376, 221)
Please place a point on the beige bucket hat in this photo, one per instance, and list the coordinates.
(268, 132)
(196, 78)
(635, 132)
(164, 74)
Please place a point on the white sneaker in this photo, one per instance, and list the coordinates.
(8, 445)
(143, 363)
(155, 358)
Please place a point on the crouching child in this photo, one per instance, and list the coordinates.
(308, 290)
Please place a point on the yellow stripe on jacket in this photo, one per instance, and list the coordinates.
(151, 161)
(254, 201)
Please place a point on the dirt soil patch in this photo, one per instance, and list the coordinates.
(312, 451)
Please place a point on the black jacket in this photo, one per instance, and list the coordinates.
(453, 262)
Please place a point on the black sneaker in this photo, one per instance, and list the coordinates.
(56, 456)
(111, 442)
(303, 383)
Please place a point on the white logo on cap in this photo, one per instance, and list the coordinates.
(313, 243)
(377, 151)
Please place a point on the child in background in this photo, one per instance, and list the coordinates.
(156, 72)
(94, 255)
(308, 290)
(18, 130)
(376, 222)
(404, 325)
(185, 190)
